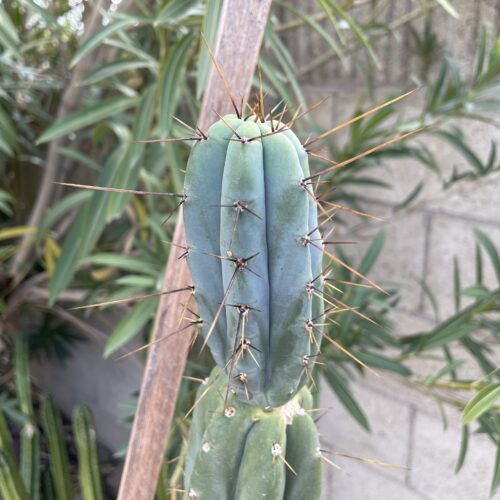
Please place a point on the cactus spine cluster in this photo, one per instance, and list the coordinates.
(255, 256)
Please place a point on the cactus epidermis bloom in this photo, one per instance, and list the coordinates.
(249, 217)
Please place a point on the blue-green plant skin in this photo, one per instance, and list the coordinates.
(230, 454)
(265, 174)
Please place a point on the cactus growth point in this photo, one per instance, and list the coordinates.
(249, 218)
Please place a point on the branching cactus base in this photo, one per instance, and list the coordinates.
(239, 451)
(255, 256)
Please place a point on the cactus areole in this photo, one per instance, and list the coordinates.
(255, 256)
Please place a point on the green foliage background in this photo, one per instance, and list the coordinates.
(80, 84)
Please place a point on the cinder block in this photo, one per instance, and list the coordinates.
(434, 454)
(401, 261)
(450, 237)
(102, 384)
(362, 482)
(389, 437)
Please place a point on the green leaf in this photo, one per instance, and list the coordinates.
(130, 325)
(448, 8)
(413, 194)
(456, 284)
(372, 254)
(61, 208)
(463, 448)
(87, 116)
(176, 10)
(170, 82)
(9, 37)
(86, 230)
(480, 403)
(97, 38)
(446, 334)
(476, 291)
(111, 69)
(339, 386)
(448, 368)
(134, 264)
(455, 138)
(495, 483)
(210, 29)
(127, 177)
(490, 250)
(80, 158)
(479, 264)
(8, 133)
(357, 30)
(382, 362)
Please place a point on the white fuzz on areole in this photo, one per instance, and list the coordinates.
(229, 412)
(276, 450)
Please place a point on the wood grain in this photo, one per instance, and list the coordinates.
(241, 29)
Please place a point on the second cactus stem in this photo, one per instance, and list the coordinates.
(238, 451)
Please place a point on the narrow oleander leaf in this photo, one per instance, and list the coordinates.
(481, 403)
(492, 252)
(456, 284)
(87, 116)
(411, 196)
(210, 29)
(97, 38)
(339, 386)
(113, 68)
(9, 37)
(58, 210)
(372, 254)
(171, 82)
(15, 232)
(176, 10)
(495, 483)
(463, 448)
(356, 29)
(130, 325)
(127, 263)
(448, 368)
(448, 7)
(316, 27)
(382, 362)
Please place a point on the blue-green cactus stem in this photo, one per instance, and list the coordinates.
(241, 452)
(249, 217)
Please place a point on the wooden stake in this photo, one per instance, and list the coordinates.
(241, 28)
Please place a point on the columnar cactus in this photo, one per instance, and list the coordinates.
(255, 253)
(244, 452)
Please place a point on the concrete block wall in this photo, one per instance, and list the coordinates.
(407, 426)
